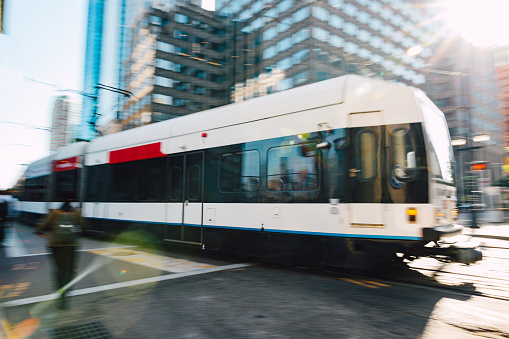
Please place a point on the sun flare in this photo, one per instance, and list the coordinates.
(482, 22)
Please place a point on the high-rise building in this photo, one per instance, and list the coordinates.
(462, 83)
(60, 132)
(282, 44)
(502, 71)
(176, 64)
(92, 67)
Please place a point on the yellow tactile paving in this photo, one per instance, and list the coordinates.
(159, 262)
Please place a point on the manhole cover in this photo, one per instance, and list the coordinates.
(88, 330)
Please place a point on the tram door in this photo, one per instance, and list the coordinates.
(184, 212)
(366, 170)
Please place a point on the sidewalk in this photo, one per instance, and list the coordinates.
(498, 231)
(116, 286)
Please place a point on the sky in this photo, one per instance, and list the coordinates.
(44, 43)
(42, 53)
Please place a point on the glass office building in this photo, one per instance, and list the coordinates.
(288, 43)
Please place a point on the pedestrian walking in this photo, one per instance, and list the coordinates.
(62, 228)
(4, 210)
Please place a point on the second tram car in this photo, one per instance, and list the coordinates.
(342, 173)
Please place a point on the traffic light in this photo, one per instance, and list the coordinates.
(479, 166)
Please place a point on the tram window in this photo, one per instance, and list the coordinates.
(403, 153)
(289, 168)
(97, 183)
(175, 184)
(239, 172)
(149, 184)
(193, 182)
(36, 189)
(123, 185)
(65, 185)
(367, 147)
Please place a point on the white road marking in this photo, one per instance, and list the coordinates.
(15, 247)
(80, 250)
(151, 260)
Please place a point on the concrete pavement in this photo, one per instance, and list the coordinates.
(117, 285)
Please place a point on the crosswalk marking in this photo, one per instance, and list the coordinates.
(129, 283)
(151, 260)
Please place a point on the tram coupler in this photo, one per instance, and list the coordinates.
(465, 254)
(462, 253)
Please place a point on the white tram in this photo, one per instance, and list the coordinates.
(343, 173)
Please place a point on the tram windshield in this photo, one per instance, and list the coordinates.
(440, 152)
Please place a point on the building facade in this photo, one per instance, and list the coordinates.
(61, 134)
(501, 56)
(176, 65)
(280, 44)
(93, 54)
(462, 83)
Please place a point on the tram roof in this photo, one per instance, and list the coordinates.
(320, 94)
(39, 168)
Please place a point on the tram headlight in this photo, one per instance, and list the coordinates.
(454, 214)
(412, 215)
(439, 215)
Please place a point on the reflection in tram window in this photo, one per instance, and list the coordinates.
(403, 153)
(367, 155)
(239, 172)
(193, 182)
(292, 168)
(176, 184)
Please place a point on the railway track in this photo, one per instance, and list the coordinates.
(489, 278)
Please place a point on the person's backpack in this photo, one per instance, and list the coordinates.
(67, 229)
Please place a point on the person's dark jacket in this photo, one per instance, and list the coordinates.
(50, 225)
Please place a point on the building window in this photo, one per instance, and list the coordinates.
(363, 17)
(321, 13)
(300, 15)
(301, 35)
(284, 44)
(155, 20)
(350, 10)
(199, 90)
(180, 35)
(162, 99)
(321, 34)
(285, 84)
(336, 21)
(351, 29)
(165, 47)
(337, 41)
(181, 18)
(300, 56)
(284, 5)
(320, 76)
(301, 77)
(269, 34)
(164, 82)
(200, 74)
(285, 64)
(179, 102)
(165, 64)
(269, 52)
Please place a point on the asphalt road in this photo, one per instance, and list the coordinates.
(212, 298)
